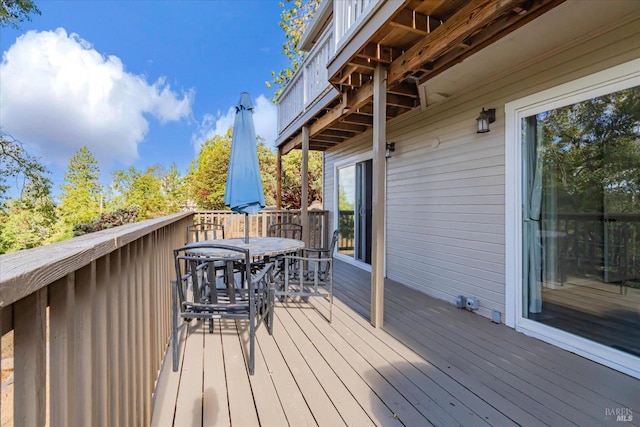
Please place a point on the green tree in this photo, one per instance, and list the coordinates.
(14, 12)
(207, 176)
(293, 20)
(80, 201)
(153, 191)
(174, 189)
(28, 219)
(16, 163)
(292, 179)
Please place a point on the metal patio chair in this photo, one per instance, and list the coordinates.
(204, 231)
(195, 294)
(289, 230)
(309, 275)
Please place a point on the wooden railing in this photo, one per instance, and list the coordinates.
(348, 14)
(319, 231)
(605, 245)
(90, 317)
(91, 324)
(309, 82)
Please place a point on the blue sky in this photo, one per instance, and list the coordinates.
(138, 82)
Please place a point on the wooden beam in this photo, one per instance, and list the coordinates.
(358, 119)
(341, 133)
(470, 18)
(404, 88)
(379, 53)
(321, 137)
(489, 34)
(400, 100)
(292, 144)
(415, 22)
(348, 126)
(362, 63)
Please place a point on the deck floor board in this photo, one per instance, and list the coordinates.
(430, 364)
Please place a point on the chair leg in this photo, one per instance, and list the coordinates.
(252, 338)
(271, 307)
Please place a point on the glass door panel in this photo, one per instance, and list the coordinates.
(581, 219)
(355, 210)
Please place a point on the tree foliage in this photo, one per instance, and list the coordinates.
(293, 20)
(151, 191)
(292, 179)
(14, 12)
(592, 153)
(28, 219)
(207, 177)
(16, 163)
(80, 201)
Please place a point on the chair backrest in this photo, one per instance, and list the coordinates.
(289, 230)
(204, 231)
(191, 260)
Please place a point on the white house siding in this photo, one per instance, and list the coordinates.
(445, 183)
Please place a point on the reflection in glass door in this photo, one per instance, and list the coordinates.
(581, 219)
(354, 210)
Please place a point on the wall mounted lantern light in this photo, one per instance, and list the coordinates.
(485, 117)
(390, 147)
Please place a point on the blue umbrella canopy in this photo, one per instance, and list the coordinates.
(244, 193)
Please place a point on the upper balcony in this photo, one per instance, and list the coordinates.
(411, 42)
(309, 84)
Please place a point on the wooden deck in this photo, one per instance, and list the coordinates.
(431, 365)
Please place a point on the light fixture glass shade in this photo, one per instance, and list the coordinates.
(485, 118)
(483, 122)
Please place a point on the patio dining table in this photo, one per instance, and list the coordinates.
(259, 247)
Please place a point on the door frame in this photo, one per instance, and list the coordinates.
(352, 161)
(611, 80)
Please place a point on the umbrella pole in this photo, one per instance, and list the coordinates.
(246, 228)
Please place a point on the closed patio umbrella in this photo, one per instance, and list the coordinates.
(244, 193)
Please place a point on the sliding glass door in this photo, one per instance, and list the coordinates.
(581, 219)
(354, 210)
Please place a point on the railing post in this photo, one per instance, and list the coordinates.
(30, 371)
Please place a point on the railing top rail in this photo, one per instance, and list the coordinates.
(24, 272)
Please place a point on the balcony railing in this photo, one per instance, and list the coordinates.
(90, 318)
(309, 82)
(348, 14)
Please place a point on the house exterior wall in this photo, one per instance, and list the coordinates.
(445, 211)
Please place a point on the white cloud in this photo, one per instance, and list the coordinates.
(265, 118)
(58, 93)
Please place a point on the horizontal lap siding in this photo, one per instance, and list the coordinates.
(445, 211)
(445, 208)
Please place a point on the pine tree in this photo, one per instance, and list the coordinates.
(80, 200)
